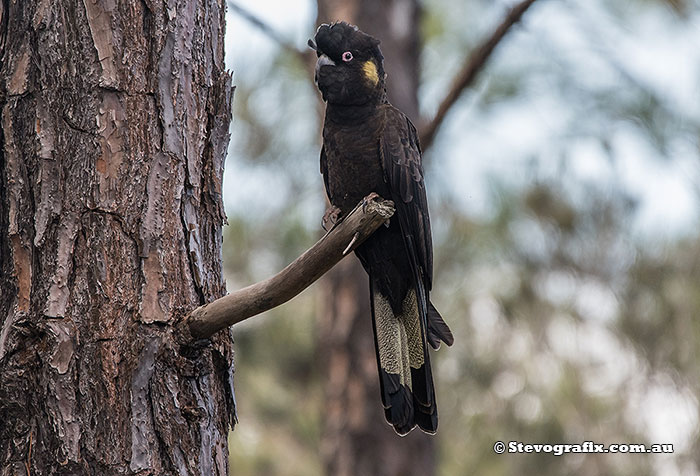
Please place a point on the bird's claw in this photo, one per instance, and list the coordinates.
(367, 199)
(331, 216)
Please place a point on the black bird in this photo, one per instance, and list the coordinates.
(370, 146)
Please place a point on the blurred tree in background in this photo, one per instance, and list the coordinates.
(564, 188)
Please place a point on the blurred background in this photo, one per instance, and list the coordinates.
(564, 189)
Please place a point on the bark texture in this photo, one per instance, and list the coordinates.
(114, 120)
(356, 438)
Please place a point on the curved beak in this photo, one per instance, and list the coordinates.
(323, 60)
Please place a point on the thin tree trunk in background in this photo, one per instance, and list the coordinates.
(114, 120)
(356, 438)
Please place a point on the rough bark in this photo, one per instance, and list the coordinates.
(356, 438)
(114, 120)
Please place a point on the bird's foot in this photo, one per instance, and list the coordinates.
(331, 216)
(367, 199)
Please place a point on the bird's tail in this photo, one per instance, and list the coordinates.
(405, 376)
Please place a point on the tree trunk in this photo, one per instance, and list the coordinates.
(114, 120)
(356, 438)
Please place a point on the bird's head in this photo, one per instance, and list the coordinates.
(350, 66)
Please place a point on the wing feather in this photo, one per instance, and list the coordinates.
(401, 159)
(324, 170)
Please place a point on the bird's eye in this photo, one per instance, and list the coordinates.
(347, 56)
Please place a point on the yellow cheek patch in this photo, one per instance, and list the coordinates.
(370, 70)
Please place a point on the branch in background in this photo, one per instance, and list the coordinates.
(471, 68)
(367, 216)
(268, 31)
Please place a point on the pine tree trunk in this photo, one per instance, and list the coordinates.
(356, 438)
(114, 120)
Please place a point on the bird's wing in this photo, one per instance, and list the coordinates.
(324, 170)
(401, 159)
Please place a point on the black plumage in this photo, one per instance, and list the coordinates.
(370, 146)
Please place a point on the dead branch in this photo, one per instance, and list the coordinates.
(367, 216)
(475, 62)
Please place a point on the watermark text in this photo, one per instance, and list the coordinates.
(586, 447)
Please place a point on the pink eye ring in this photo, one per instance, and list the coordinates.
(347, 56)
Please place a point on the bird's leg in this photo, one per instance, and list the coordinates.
(367, 199)
(331, 216)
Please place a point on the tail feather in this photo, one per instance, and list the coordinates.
(405, 376)
(399, 410)
(427, 421)
(425, 408)
(437, 328)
